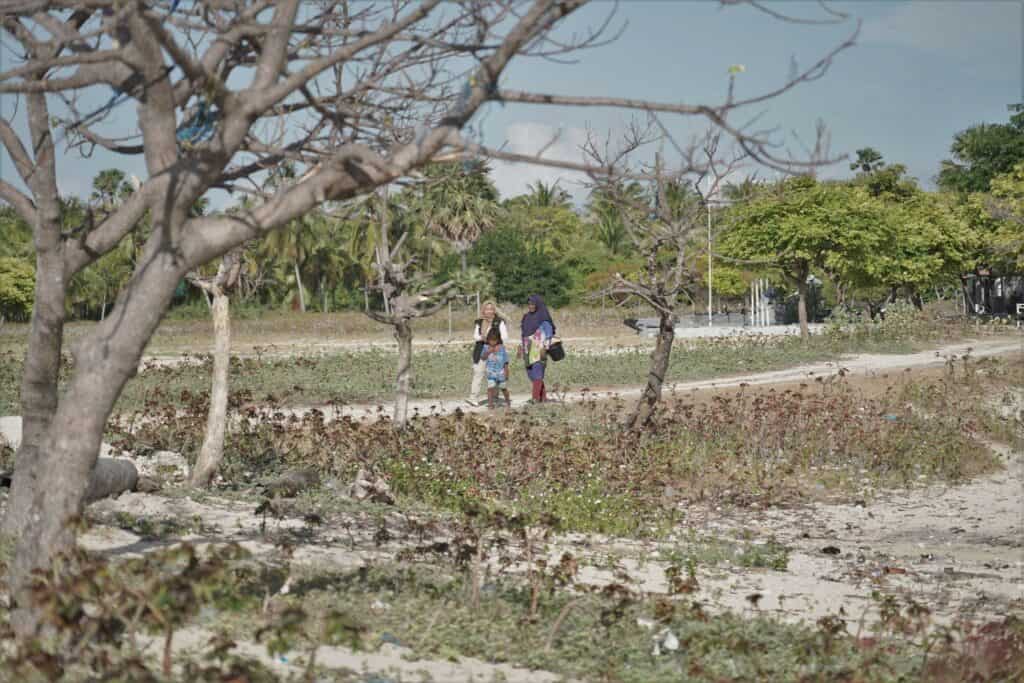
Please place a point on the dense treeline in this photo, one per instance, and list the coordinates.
(870, 239)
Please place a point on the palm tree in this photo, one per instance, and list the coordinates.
(459, 204)
(360, 230)
(294, 244)
(868, 160)
(110, 187)
(327, 259)
(611, 210)
(549, 196)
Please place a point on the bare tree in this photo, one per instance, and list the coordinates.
(356, 95)
(217, 288)
(668, 238)
(405, 299)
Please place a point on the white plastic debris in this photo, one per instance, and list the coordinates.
(665, 641)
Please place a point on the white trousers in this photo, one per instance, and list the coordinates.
(479, 370)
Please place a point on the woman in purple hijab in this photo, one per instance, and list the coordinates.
(537, 330)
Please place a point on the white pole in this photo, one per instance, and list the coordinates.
(764, 303)
(709, 257)
(757, 301)
(760, 303)
(753, 309)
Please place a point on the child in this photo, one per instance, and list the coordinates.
(497, 368)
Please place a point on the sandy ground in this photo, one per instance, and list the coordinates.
(960, 550)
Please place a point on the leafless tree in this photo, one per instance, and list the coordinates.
(668, 236)
(355, 95)
(217, 288)
(406, 298)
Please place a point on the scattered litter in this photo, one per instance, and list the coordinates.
(666, 641)
(645, 623)
(390, 639)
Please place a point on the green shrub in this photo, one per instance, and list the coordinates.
(519, 270)
(17, 288)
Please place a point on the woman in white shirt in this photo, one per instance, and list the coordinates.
(490, 319)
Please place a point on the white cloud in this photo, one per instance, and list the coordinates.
(528, 138)
(959, 28)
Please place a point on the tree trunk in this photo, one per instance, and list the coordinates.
(323, 296)
(38, 387)
(801, 306)
(69, 446)
(39, 395)
(641, 416)
(212, 450)
(298, 283)
(403, 335)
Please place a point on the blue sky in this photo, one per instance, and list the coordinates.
(920, 72)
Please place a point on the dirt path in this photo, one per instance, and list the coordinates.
(860, 365)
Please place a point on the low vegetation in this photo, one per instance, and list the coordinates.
(479, 582)
(268, 376)
(822, 440)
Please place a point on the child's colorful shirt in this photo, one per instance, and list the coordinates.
(496, 362)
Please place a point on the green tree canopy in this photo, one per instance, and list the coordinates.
(982, 152)
(868, 160)
(1000, 216)
(17, 288)
(15, 235)
(458, 203)
(520, 269)
(801, 226)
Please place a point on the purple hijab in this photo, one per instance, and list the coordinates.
(531, 321)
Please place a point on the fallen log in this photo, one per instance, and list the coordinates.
(110, 477)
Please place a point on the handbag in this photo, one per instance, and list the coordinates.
(556, 351)
(478, 349)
